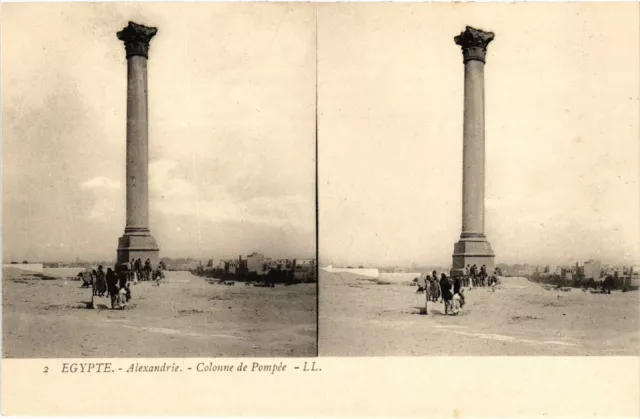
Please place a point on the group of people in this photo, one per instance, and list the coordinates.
(136, 271)
(474, 277)
(450, 290)
(116, 283)
(112, 283)
(446, 289)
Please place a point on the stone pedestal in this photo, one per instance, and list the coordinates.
(137, 241)
(143, 246)
(473, 247)
(472, 251)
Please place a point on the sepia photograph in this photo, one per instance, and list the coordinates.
(478, 179)
(307, 209)
(158, 180)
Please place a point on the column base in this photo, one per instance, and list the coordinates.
(472, 248)
(138, 244)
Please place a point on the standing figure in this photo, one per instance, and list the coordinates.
(427, 293)
(94, 281)
(476, 275)
(435, 289)
(458, 290)
(112, 286)
(122, 279)
(130, 270)
(101, 282)
(138, 265)
(473, 275)
(124, 285)
(147, 269)
(446, 293)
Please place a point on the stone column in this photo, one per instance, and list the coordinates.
(137, 241)
(473, 247)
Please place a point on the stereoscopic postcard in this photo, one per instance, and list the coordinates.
(321, 209)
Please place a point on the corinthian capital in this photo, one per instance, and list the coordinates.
(136, 39)
(474, 43)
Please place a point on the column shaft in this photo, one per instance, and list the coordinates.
(473, 149)
(137, 145)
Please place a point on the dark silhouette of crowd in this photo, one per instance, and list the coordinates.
(137, 271)
(116, 283)
(474, 277)
(450, 290)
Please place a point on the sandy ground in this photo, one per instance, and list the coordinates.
(360, 317)
(183, 317)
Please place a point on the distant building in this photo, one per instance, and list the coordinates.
(231, 266)
(566, 274)
(525, 271)
(305, 263)
(191, 265)
(283, 264)
(633, 277)
(591, 269)
(304, 269)
(255, 263)
(213, 263)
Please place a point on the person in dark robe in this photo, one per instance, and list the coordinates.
(483, 274)
(101, 282)
(112, 285)
(435, 289)
(122, 278)
(456, 285)
(138, 268)
(127, 271)
(445, 287)
(147, 269)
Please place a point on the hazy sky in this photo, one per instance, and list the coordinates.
(231, 125)
(562, 138)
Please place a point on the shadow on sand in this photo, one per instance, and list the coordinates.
(420, 311)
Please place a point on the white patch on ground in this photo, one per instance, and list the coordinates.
(447, 326)
(166, 331)
(506, 338)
